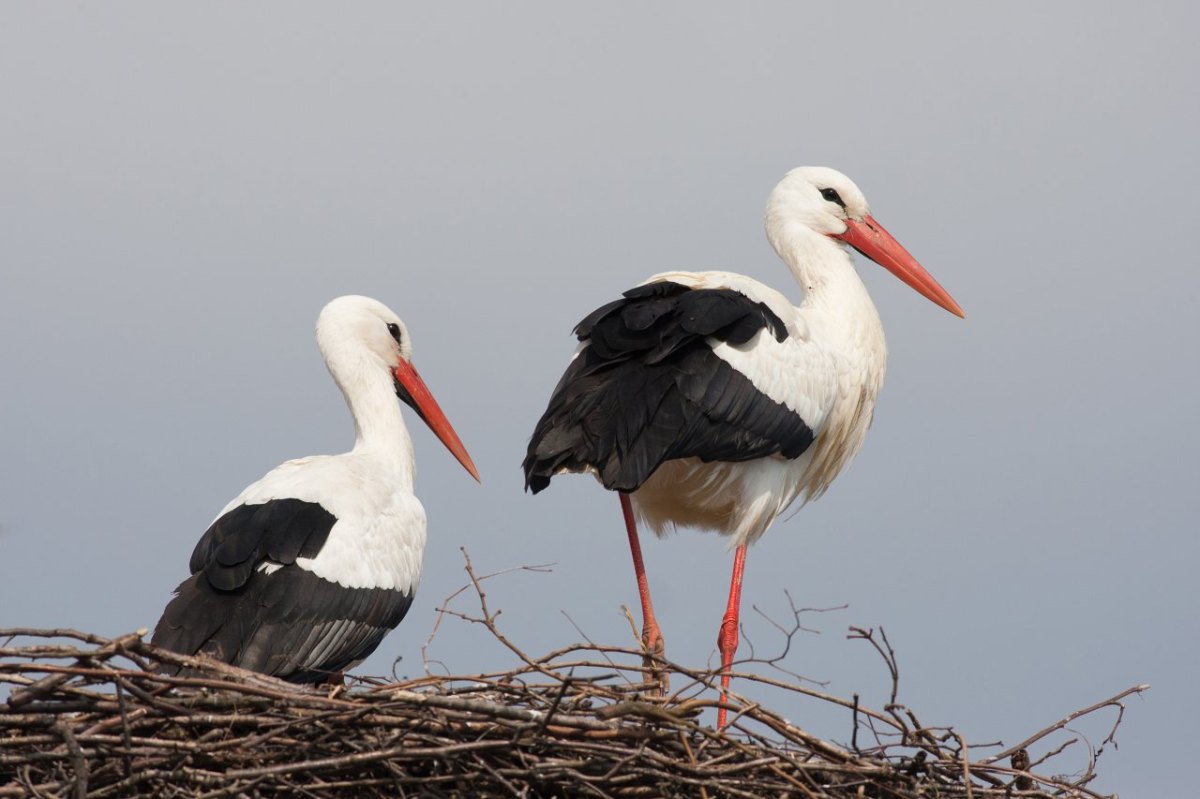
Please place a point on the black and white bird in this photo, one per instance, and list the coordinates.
(708, 400)
(303, 573)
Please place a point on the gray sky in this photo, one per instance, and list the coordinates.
(182, 188)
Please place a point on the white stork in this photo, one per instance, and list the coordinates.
(708, 400)
(303, 573)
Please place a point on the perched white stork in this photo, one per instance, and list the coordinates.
(708, 400)
(303, 573)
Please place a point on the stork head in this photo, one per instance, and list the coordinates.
(359, 337)
(826, 202)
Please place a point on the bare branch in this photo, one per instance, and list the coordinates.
(1112, 701)
(91, 716)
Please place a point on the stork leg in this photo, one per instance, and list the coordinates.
(652, 638)
(727, 638)
(335, 684)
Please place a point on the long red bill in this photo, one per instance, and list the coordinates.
(412, 389)
(868, 237)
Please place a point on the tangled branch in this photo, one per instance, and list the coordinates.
(89, 716)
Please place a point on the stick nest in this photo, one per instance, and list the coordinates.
(89, 716)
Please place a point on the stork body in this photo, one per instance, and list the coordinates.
(709, 400)
(303, 573)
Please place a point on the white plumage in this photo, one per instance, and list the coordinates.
(379, 538)
(306, 570)
(731, 401)
(830, 380)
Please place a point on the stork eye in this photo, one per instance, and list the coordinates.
(394, 329)
(832, 196)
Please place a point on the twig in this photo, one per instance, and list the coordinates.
(885, 651)
(100, 720)
(1063, 722)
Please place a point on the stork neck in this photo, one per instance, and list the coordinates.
(379, 427)
(832, 286)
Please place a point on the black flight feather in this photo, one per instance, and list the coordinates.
(648, 388)
(287, 622)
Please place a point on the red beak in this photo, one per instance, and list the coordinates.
(868, 237)
(412, 389)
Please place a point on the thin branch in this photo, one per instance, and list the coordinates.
(92, 716)
(1112, 701)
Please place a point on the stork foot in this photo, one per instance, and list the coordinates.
(727, 644)
(335, 684)
(654, 649)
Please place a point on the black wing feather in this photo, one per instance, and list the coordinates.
(281, 529)
(290, 622)
(648, 388)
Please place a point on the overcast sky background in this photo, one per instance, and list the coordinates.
(183, 188)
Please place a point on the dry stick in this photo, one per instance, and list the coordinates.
(443, 609)
(207, 665)
(400, 752)
(692, 759)
(499, 711)
(162, 705)
(789, 636)
(889, 657)
(1063, 788)
(252, 685)
(736, 768)
(57, 632)
(1112, 733)
(585, 637)
(230, 790)
(1063, 722)
(48, 684)
(78, 761)
(489, 620)
(824, 697)
(854, 728)
(966, 766)
(498, 777)
(1058, 750)
(126, 735)
(562, 691)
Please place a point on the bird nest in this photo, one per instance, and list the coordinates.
(90, 716)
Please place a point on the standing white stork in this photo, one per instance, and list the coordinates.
(303, 574)
(708, 400)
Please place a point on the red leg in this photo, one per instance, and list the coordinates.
(727, 639)
(652, 637)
